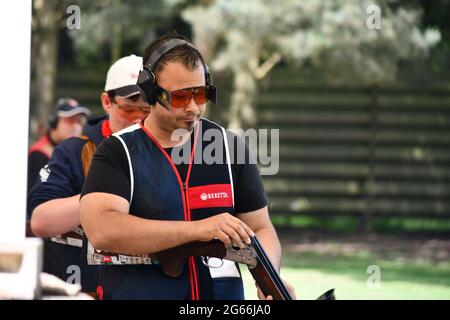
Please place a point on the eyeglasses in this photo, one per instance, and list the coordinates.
(181, 98)
(130, 109)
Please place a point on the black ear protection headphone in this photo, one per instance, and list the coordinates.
(53, 122)
(151, 92)
(54, 118)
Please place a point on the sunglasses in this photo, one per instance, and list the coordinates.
(127, 108)
(133, 109)
(181, 98)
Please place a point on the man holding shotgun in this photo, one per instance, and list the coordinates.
(139, 198)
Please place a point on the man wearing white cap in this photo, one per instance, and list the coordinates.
(53, 203)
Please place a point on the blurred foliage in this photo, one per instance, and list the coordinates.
(436, 67)
(381, 225)
(326, 40)
(251, 37)
(109, 26)
(332, 34)
(329, 35)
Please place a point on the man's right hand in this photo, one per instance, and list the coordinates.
(224, 227)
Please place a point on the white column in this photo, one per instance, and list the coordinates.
(15, 37)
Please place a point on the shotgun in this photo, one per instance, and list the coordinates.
(253, 255)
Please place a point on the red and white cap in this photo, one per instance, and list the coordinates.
(122, 76)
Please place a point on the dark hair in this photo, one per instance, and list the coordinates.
(187, 56)
(111, 94)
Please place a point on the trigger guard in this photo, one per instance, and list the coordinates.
(205, 261)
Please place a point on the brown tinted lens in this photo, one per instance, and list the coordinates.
(181, 98)
(200, 95)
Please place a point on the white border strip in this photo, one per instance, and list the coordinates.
(129, 165)
(227, 152)
(15, 34)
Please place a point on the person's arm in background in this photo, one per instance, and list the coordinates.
(54, 201)
(56, 217)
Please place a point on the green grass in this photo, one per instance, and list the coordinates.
(333, 223)
(403, 274)
(399, 225)
(312, 274)
(378, 224)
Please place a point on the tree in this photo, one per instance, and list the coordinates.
(104, 24)
(251, 37)
(46, 23)
(109, 23)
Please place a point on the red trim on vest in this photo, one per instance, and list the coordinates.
(100, 292)
(210, 196)
(188, 175)
(106, 129)
(191, 280)
(195, 295)
(40, 144)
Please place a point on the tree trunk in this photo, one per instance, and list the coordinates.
(116, 38)
(242, 114)
(44, 60)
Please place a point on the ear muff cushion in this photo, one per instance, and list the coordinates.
(53, 122)
(147, 87)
